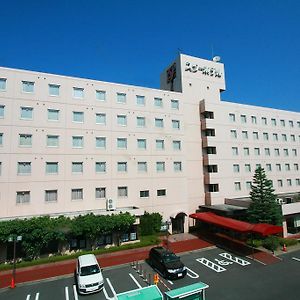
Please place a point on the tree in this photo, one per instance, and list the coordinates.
(263, 207)
(150, 223)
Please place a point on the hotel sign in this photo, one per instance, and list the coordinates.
(208, 71)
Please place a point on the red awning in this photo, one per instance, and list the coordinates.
(229, 223)
(240, 226)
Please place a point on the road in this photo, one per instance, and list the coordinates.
(228, 277)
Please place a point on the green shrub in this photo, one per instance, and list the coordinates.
(287, 242)
(271, 243)
(150, 223)
(254, 243)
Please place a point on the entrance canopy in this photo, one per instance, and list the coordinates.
(240, 226)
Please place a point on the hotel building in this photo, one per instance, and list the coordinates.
(73, 146)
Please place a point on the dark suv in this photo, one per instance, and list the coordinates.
(167, 263)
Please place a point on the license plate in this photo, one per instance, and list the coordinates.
(179, 274)
(92, 288)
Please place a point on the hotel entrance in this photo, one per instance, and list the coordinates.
(178, 223)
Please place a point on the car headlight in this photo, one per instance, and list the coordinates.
(81, 286)
(172, 270)
(184, 268)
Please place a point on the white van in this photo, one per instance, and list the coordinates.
(88, 274)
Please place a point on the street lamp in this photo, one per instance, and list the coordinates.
(14, 239)
(168, 223)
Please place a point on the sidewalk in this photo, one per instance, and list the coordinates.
(178, 243)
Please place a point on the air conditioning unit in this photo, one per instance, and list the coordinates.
(110, 204)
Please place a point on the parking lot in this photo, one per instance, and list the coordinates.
(228, 276)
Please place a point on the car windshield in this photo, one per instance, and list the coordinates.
(170, 257)
(89, 270)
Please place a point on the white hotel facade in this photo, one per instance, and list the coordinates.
(73, 146)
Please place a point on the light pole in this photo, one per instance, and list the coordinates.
(14, 239)
(168, 223)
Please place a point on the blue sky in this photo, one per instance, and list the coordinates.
(131, 42)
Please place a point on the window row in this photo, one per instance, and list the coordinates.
(265, 136)
(25, 140)
(25, 167)
(269, 167)
(264, 121)
(77, 194)
(100, 95)
(267, 151)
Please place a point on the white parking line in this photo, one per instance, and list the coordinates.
(295, 258)
(75, 292)
(135, 281)
(111, 287)
(171, 282)
(28, 297)
(235, 259)
(37, 295)
(67, 293)
(193, 274)
(204, 261)
(106, 295)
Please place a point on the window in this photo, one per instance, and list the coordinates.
(1, 139)
(159, 123)
(158, 102)
(53, 114)
(236, 168)
(273, 122)
(255, 135)
(213, 188)
(266, 136)
(54, 89)
(269, 167)
(245, 135)
(121, 120)
(177, 166)
(28, 86)
(122, 166)
(100, 167)
(267, 152)
(293, 138)
(284, 137)
(296, 167)
(237, 186)
(142, 166)
(233, 134)
(2, 111)
(100, 118)
(141, 144)
(282, 123)
(0, 168)
(294, 151)
(2, 84)
(122, 191)
(160, 166)
(287, 167)
(286, 152)
(277, 153)
(279, 183)
(100, 142)
(160, 144)
(208, 115)
(77, 141)
(246, 151)
(291, 123)
(100, 192)
(176, 145)
(78, 116)
(257, 166)
(235, 151)
(278, 167)
(297, 181)
(121, 98)
(52, 140)
(24, 168)
(212, 169)
(232, 117)
(51, 167)
(175, 105)
(248, 185)
(243, 119)
(77, 167)
(289, 182)
(209, 132)
(140, 100)
(275, 136)
(77, 194)
(253, 120)
(140, 121)
(144, 194)
(256, 151)
(51, 195)
(100, 95)
(26, 113)
(23, 197)
(211, 150)
(121, 143)
(175, 124)
(78, 92)
(25, 140)
(264, 121)
(161, 192)
(298, 123)
(247, 168)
